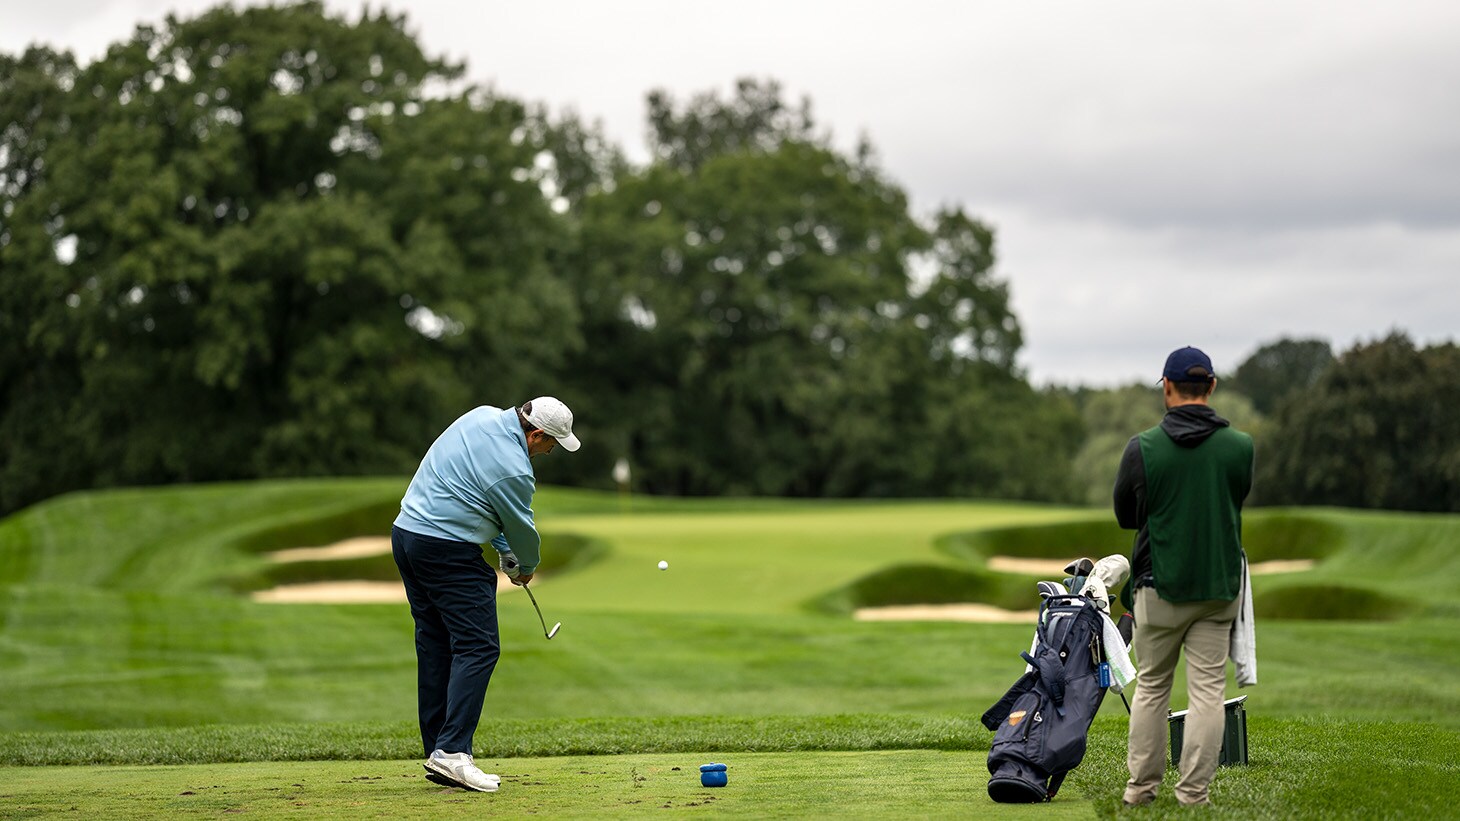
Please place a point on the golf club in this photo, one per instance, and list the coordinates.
(545, 631)
(1080, 567)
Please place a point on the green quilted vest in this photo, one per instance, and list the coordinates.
(1194, 508)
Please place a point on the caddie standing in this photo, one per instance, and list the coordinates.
(473, 487)
(1181, 484)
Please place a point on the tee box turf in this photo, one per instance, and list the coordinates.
(1234, 738)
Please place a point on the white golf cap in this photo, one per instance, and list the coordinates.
(554, 418)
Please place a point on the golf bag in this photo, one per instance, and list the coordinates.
(1041, 723)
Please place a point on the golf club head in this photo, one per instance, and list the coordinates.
(1080, 567)
(554, 631)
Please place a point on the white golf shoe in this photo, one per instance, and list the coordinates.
(460, 770)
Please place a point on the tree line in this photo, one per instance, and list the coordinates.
(277, 242)
(1373, 427)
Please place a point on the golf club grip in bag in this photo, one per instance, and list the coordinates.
(1041, 724)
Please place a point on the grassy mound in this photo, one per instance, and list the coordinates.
(930, 584)
(1267, 535)
(1331, 602)
(1093, 537)
(313, 529)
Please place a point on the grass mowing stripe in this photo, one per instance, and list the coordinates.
(498, 739)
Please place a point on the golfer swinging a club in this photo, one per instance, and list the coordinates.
(473, 487)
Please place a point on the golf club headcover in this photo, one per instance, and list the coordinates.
(1094, 589)
(1113, 570)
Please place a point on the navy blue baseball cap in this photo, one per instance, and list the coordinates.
(1188, 365)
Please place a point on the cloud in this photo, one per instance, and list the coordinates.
(1159, 173)
(1101, 302)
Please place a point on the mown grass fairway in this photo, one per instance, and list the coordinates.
(124, 641)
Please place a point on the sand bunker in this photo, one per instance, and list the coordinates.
(351, 592)
(1053, 568)
(983, 613)
(1280, 566)
(347, 549)
(348, 591)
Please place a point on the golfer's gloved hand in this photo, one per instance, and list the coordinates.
(508, 562)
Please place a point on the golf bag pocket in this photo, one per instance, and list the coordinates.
(1014, 777)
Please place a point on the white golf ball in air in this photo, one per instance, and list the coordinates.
(664, 565)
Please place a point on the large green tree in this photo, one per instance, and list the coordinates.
(764, 315)
(1377, 430)
(275, 241)
(251, 244)
(1280, 369)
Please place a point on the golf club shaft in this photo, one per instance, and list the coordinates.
(540, 619)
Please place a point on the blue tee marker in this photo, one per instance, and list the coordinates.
(713, 775)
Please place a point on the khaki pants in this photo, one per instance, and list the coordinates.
(1162, 629)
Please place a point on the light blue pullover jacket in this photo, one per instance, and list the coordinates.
(475, 485)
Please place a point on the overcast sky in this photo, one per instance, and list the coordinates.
(1158, 173)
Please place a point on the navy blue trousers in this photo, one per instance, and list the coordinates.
(453, 595)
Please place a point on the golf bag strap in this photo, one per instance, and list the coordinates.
(1050, 669)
